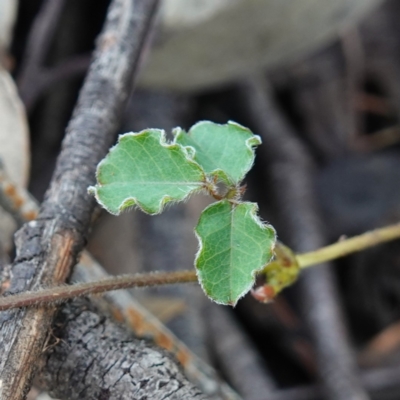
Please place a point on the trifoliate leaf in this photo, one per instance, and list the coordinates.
(226, 151)
(144, 170)
(234, 246)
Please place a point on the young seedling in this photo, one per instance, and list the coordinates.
(146, 171)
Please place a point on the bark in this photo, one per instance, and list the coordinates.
(125, 309)
(96, 359)
(48, 247)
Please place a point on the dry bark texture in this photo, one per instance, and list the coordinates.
(96, 359)
(48, 247)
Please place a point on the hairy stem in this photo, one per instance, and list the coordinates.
(61, 293)
(349, 246)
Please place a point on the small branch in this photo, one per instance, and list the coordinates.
(15, 200)
(75, 66)
(378, 140)
(39, 42)
(349, 246)
(48, 248)
(58, 294)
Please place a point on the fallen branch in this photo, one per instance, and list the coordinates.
(33, 72)
(86, 364)
(48, 248)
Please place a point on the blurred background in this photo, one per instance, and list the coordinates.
(319, 81)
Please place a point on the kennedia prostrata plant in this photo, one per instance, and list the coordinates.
(145, 170)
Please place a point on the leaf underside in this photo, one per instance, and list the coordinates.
(226, 151)
(234, 245)
(144, 170)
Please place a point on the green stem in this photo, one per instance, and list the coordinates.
(62, 293)
(349, 246)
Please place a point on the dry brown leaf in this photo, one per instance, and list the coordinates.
(14, 145)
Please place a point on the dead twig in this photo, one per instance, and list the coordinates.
(39, 42)
(47, 249)
(86, 364)
(73, 67)
(16, 201)
(382, 345)
(324, 97)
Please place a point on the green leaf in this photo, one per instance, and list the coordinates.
(234, 246)
(225, 151)
(144, 170)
